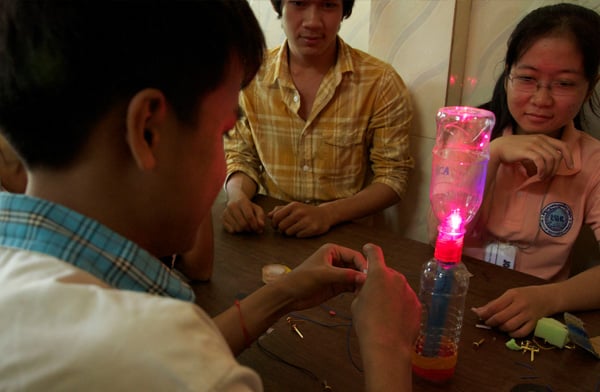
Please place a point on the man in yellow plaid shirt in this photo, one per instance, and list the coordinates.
(323, 126)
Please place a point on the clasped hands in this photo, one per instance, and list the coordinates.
(293, 219)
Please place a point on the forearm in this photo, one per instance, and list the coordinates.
(256, 313)
(240, 185)
(371, 199)
(387, 369)
(577, 293)
(492, 169)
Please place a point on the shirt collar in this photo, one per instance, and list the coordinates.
(38, 225)
(279, 71)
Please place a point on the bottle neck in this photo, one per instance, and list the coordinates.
(448, 246)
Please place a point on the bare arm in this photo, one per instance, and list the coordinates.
(371, 199)
(243, 168)
(386, 311)
(580, 292)
(541, 155)
(302, 220)
(330, 271)
(518, 310)
(240, 186)
(241, 214)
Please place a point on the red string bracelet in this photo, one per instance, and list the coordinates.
(243, 325)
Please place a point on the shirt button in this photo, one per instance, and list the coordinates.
(306, 168)
(296, 98)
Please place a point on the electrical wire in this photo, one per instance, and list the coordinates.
(276, 357)
(348, 325)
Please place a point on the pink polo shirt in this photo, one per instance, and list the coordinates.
(542, 218)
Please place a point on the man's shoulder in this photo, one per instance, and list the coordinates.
(365, 62)
(92, 331)
(40, 280)
(267, 72)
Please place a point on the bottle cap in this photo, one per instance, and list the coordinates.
(448, 247)
(272, 272)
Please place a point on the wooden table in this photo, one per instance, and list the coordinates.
(331, 352)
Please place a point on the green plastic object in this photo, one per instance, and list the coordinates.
(512, 345)
(552, 331)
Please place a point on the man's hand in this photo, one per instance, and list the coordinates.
(241, 215)
(300, 220)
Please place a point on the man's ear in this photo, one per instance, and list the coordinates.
(146, 114)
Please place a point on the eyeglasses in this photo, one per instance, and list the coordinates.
(530, 85)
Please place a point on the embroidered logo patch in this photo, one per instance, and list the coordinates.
(556, 219)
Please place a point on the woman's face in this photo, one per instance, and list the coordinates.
(546, 87)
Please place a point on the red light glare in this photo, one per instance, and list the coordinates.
(456, 221)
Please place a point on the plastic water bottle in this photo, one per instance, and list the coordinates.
(459, 167)
(442, 293)
(459, 164)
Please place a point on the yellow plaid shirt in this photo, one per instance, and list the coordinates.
(356, 133)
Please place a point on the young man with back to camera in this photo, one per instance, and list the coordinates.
(119, 121)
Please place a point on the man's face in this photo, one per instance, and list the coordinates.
(311, 26)
(197, 158)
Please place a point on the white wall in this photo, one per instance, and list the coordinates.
(430, 43)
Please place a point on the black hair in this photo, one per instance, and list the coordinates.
(65, 63)
(579, 22)
(347, 6)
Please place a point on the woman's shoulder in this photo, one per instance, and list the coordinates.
(589, 144)
(589, 147)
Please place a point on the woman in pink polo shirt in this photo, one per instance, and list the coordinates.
(543, 179)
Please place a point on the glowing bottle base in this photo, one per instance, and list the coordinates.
(436, 369)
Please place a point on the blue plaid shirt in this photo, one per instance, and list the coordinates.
(41, 226)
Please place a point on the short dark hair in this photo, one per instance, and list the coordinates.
(347, 6)
(575, 21)
(65, 63)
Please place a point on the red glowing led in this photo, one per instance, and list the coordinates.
(456, 221)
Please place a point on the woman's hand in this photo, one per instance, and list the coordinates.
(517, 310)
(539, 154)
